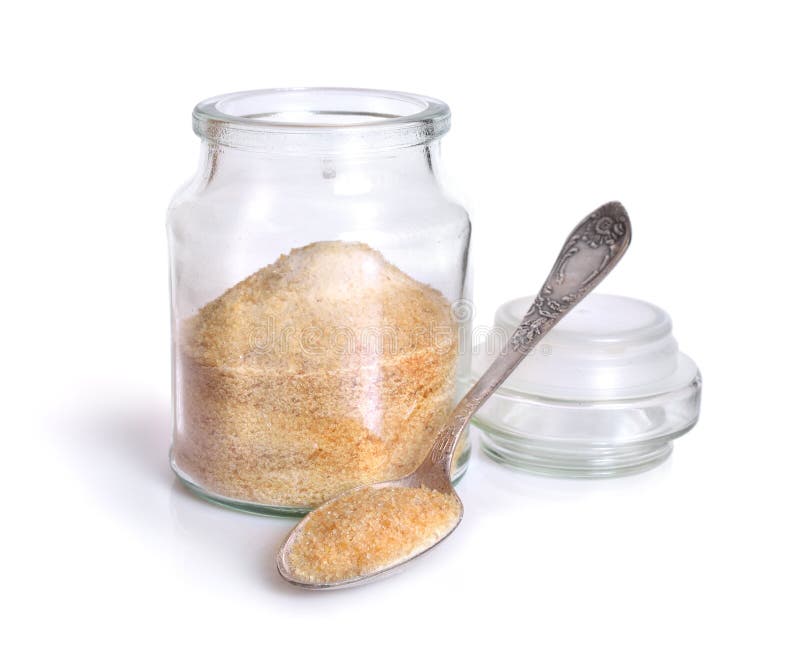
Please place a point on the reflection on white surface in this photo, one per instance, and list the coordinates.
(225, 546)
(514, 485)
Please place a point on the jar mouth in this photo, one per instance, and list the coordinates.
(304, 120)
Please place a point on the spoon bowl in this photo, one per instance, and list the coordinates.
(413, 480)
(590, 252)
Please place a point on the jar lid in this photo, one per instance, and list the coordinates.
(603, 394)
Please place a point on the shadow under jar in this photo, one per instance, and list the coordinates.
(320, 296)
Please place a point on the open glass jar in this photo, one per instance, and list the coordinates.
(319, 276)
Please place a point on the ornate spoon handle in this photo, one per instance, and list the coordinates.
(593, 248)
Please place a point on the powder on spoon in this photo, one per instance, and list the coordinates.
(370, 529)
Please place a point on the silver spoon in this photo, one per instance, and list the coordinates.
(593, 248)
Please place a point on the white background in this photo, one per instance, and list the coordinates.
(685, 111)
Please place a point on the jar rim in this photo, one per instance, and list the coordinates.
(320, 119)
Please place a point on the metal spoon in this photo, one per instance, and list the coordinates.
(593, 248)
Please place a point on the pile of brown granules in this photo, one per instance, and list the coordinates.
(370, 529)
(328, 369)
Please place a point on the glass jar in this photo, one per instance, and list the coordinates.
(320, 296)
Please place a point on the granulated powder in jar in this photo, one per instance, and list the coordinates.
(328, 369)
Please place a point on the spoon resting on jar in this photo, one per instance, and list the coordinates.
(373, 530)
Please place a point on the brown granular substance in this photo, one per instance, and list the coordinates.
(328, 369)
(370, 529)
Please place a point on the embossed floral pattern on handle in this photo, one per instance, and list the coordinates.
(590, 252)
